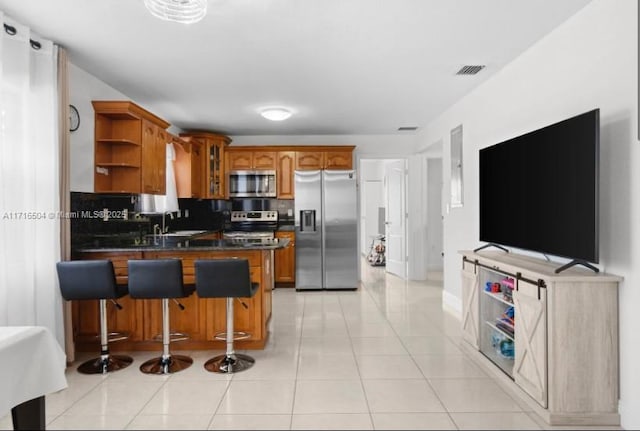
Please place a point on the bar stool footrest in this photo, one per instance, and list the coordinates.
(237, 335)
(117, 336)
(174, 336)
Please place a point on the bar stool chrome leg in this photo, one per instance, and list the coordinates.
(106, 362)
(167, 363)
(230, 362)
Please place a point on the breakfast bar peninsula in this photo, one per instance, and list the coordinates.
(201, 319)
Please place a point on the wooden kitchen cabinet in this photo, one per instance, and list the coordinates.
(309, 160)
(189, 167)
(240, 159)
(154, 141)
(129, 150)
(264, 159)
(342, 159)
(325, 159)
(285, 259)
(214, 148)
(284, 174)
(286, 159)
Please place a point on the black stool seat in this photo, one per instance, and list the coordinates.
(157, 279)
(230, 279)
(160, 279)
(94, 280)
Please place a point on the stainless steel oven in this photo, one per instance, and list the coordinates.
(252, 225)
(253, 183)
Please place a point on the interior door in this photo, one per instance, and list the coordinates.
(395, 185)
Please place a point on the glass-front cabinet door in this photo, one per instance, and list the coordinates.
(214, 173)
(215, 190)
(216, 187)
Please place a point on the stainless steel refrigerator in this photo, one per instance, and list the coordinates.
(326, 230)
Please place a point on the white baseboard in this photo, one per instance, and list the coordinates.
(452, 303)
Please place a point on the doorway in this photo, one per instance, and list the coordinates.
(383, 210)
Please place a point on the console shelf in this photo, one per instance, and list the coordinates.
(562, 358)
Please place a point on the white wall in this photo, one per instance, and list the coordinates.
(434, 228)
(83, 88)
(588, 62)
(416, 220)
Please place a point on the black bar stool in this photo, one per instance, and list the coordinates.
(230, 279)
(94, 279)
(160, 279)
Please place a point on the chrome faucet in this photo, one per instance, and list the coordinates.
(157, 231)
(165, 228)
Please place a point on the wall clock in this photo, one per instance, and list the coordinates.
(74, 118)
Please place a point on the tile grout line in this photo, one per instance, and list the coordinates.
(295, 381)
(446, 410)
(364, 392)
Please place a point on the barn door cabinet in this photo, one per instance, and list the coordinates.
(551, 339)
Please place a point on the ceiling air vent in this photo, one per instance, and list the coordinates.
(407, 129)
(469, 70)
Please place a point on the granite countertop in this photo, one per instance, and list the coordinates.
(171, 243)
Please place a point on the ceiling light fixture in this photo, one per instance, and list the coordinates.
(275, 113)
(183, 11)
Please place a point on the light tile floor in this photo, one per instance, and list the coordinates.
(385, 356)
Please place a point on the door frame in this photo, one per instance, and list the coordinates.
(381, 158)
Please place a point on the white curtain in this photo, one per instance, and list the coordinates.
(29, 180)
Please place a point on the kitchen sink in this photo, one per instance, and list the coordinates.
(184, 232)
(178, 233)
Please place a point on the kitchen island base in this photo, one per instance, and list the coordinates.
(201, 319)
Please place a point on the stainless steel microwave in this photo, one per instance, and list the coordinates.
(252, 184)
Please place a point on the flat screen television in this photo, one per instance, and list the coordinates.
(539, 191)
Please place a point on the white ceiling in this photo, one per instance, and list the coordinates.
(343, 66)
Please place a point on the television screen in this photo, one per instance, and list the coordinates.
(539, 191)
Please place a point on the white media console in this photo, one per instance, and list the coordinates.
(552, 339)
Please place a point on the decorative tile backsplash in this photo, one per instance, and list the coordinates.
(97, 214)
